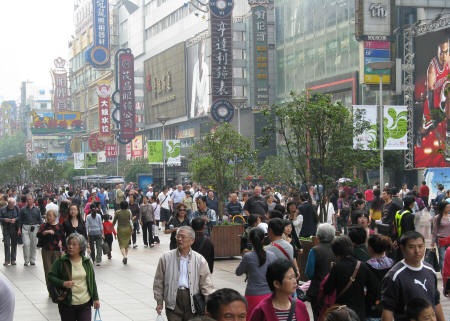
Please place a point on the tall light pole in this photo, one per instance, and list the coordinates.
(163, 121)
(380, 68)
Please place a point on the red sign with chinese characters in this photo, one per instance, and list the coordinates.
(60, 91)
(96, 144)
(104, 111)
(112, 150)
(126, 89)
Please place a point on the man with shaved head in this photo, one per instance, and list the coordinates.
(8, 217)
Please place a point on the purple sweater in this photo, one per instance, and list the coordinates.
(443, 230)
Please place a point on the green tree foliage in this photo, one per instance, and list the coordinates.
(221, 159)
(12, 145)
(15, 170)
(47, 171)
(277, 169)
(317, 139)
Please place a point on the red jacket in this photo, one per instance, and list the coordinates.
(108, 228)
(446, 268)
(424, 191)
(264, 311)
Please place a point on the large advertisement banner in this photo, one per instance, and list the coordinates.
(78, 160)
(432, 104)
(173, 152)
(198, 74)
(368, 139)
(395, 128)
(435, 176)
(155, 151)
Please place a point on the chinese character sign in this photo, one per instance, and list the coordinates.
(137, 150)
(259, 14)
(221, 56)
(60, 91)
(123, 97)
(99, 54)
(104, 102)
(111, 150)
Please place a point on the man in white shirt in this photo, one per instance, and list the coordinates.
(149, 192)
(164, 202)
(178, 195)
(52, 206)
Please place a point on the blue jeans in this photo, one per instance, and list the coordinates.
(441, 251)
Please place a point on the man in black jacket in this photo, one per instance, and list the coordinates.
(202, 243)
(8, 217)
(310, 218)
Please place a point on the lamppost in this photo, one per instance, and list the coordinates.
(163, 121)
(380, 68)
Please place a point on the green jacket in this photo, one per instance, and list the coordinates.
(58, 275)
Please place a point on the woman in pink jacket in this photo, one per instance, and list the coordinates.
(446, 272)
(280, 305)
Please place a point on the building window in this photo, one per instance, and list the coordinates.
(169, 20)
(43, 105)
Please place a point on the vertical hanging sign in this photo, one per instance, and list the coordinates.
(98, 54)
(104, 102)
(261, 95)
(123, 97)
(60, 92)
(222, 109)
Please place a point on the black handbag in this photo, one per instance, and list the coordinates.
(431, 258)
(199, 303)
(59, 294)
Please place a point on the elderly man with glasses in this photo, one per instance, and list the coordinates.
(182, 278)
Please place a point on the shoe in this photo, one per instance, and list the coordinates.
(33, 263)
(5, 264)
(125, 261)
(135, 246)
(109, 256)
(138, 232)
(13, 263)
(97, 264)
(151, 245)
(26, 264)
(145, 245)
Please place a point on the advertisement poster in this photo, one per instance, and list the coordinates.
(128, 151)
(155, 151)
(395, 127)
(173, 152)
(435, 176)
(198, 73)
(431, 105)
(101, 157)
(90, 160)
(78, 160)
(137, 150)
(368, 139)
(375, 51)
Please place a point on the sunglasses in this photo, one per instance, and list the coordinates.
(182, 209)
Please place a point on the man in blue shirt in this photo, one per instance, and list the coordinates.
(103, 197)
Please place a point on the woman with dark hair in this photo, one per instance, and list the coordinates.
(281, 279)
(376, 206)
(179, 219)
(441, 230)
(135, 216)
(349, 278)
(124, 229)
(291, 237)
(255, 264)
(63, 211)
(74, 223)
(379, 264)
(294, 216)
(343, 212)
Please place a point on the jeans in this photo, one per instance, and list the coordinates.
(147, 232)
(342, 223)
(109, 241)
(97, 239)
(10, 239)
(29, 243)
(135, 228)
(105, 209)
(441, 251)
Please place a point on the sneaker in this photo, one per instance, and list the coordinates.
(109, 256)
(135, 246)
(13, 263)
(5, 264)
(33, 263)
(145, 245)
(125, 260)
(151, 245)
(26, 264)
(98, 263)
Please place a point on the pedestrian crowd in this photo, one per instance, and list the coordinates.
(366, 261)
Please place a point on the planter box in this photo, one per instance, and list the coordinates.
(303, 258)
(226, 240)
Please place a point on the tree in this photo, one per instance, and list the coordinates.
(221, 160)
(317, 139)
(15, 170)
(277, 169)
(12, 145)
(47, 171)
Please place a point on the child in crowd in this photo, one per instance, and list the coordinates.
(109, 230)
(419, 309)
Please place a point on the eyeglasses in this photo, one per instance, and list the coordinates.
(182, 209)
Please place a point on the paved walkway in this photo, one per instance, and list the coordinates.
(125, 290)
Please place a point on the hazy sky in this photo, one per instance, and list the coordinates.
(32, 34)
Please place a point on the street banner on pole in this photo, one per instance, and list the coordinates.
(395, 127)
(90, 160)
(173, 152)
(368, 139)
(78, 160)
(155, 151)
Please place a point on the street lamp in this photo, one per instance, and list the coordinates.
(163, 121)
(380, 68)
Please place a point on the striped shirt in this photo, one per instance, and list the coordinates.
(283, 315)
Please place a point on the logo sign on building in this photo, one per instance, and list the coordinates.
(221, 58)
(155, 151)
(104, 92)
(96, 144)
(60, 92)
(99, 54)
(137, 150)
(376, 51)
(373, 19)
(111, 150)
(259, 14)
(123, 97)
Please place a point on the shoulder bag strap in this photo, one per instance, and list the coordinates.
(352, 279)
(69, 273)
(292, 310)
(282, 250)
